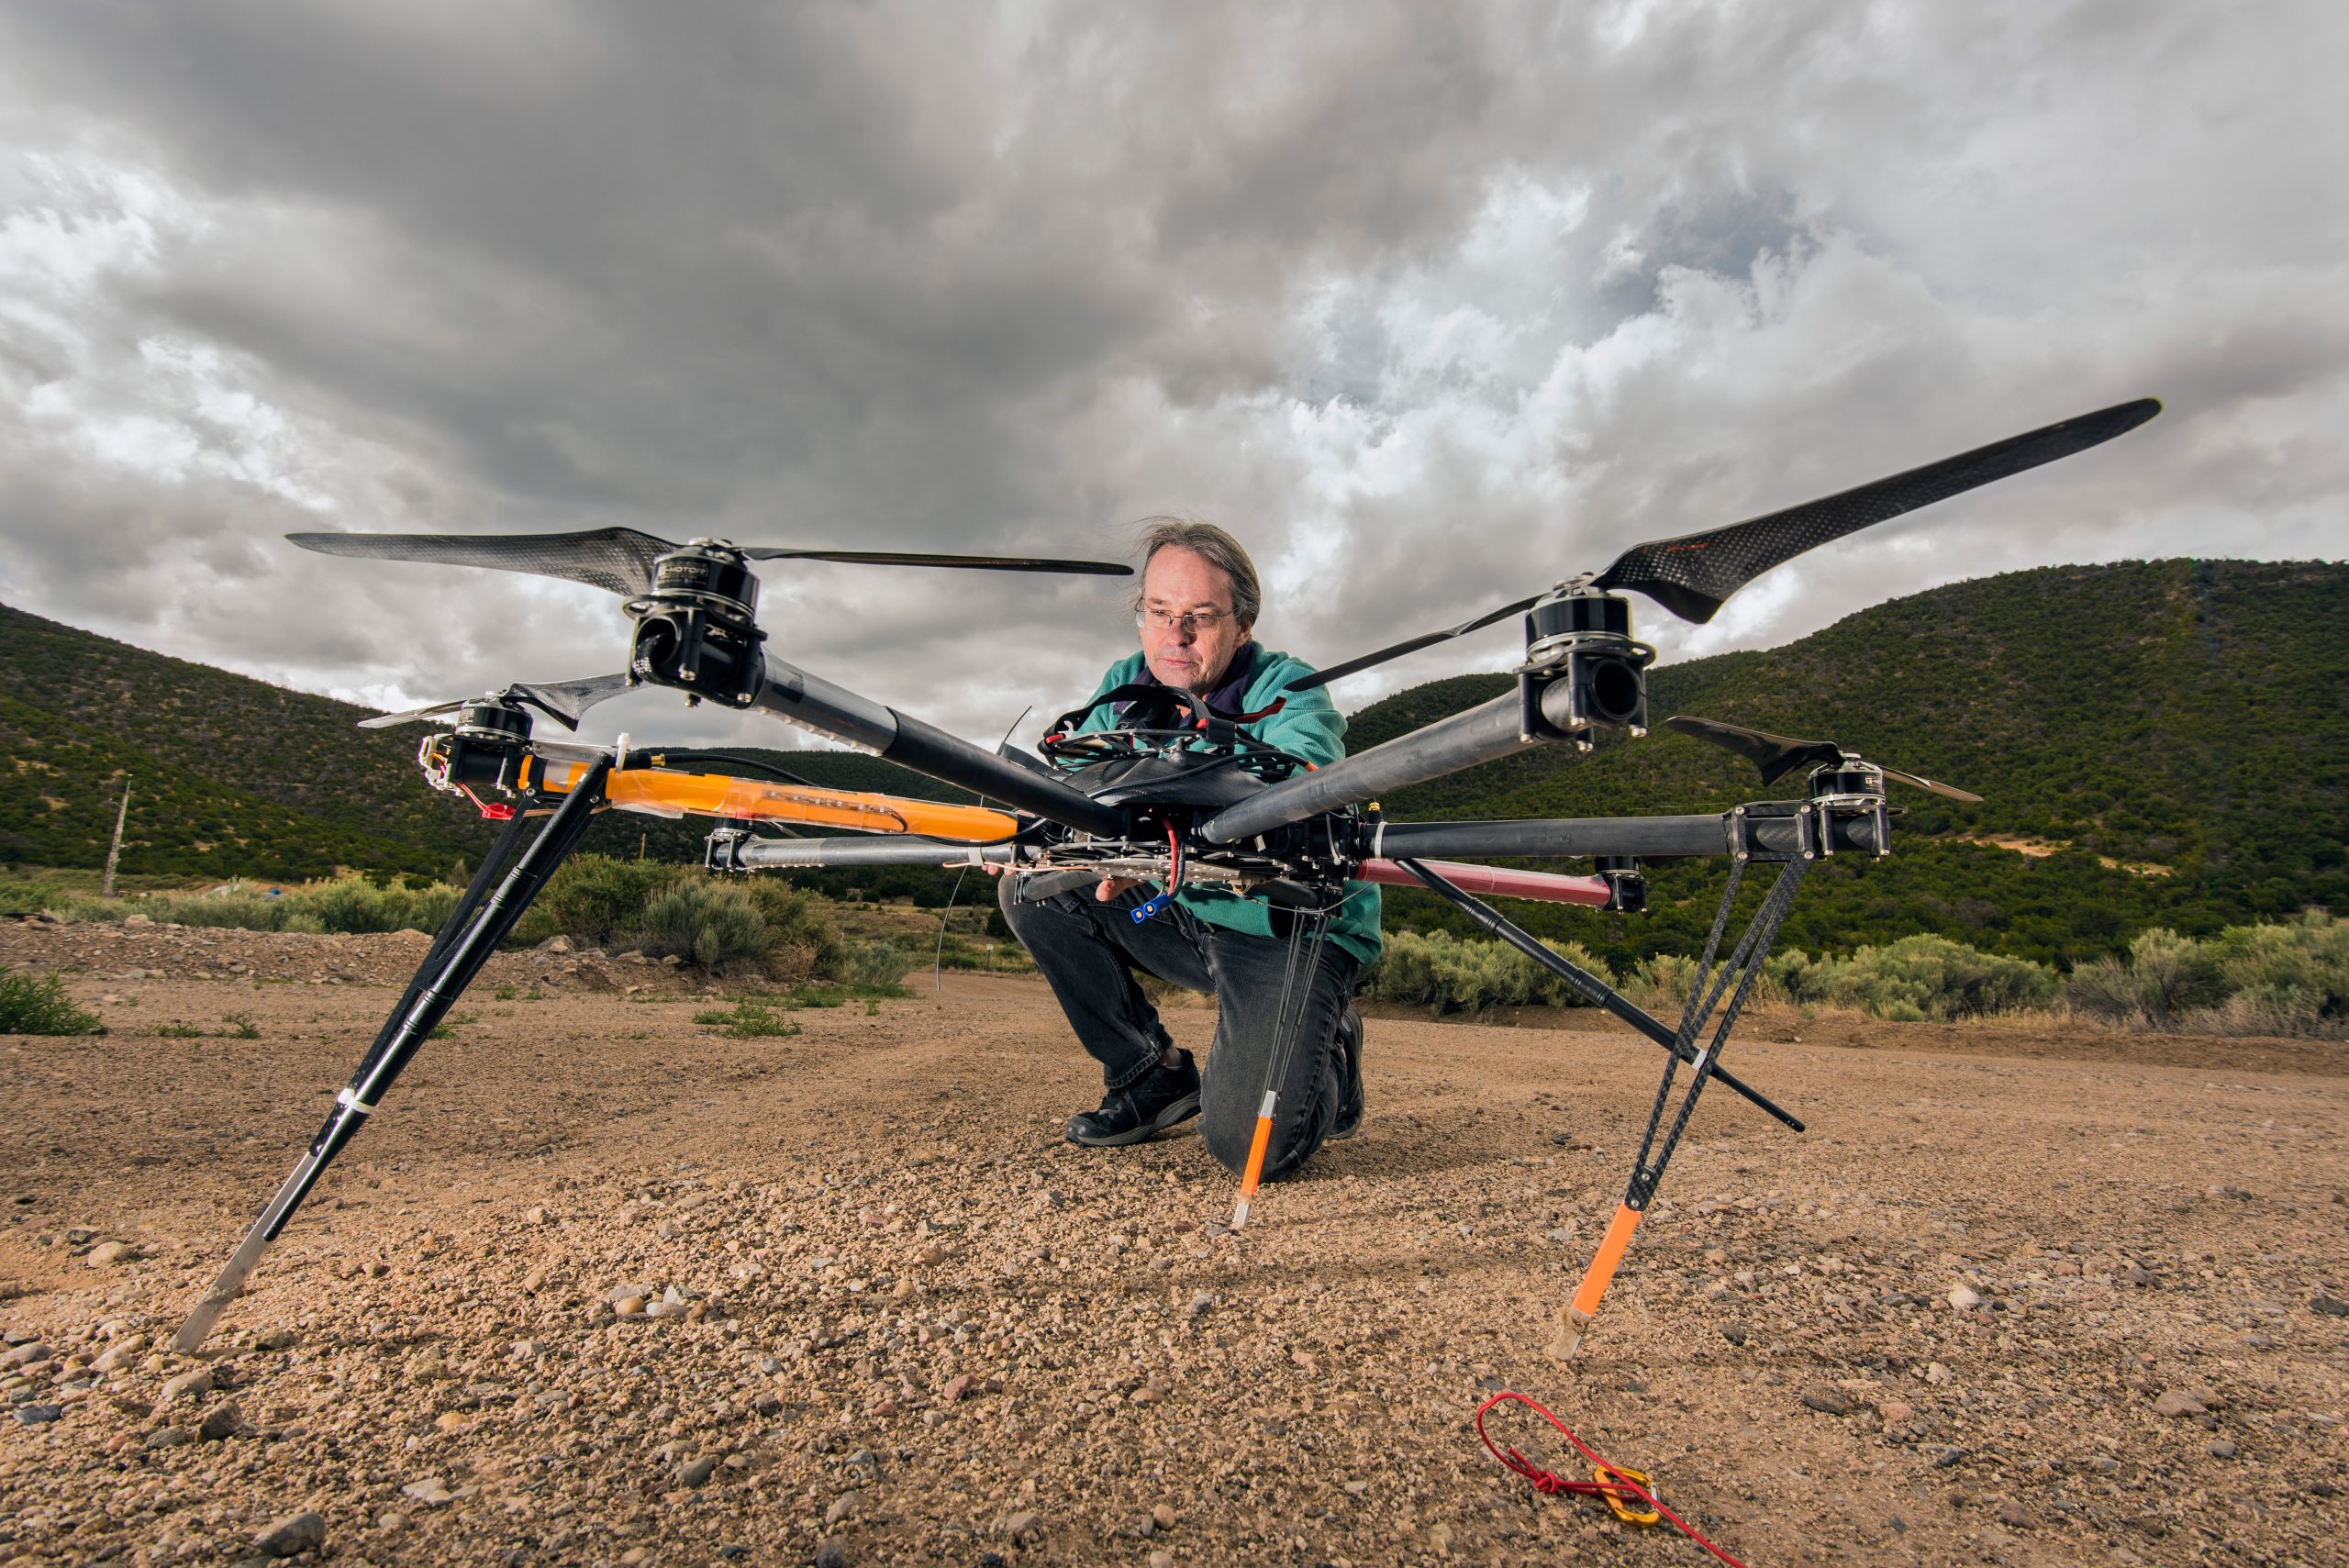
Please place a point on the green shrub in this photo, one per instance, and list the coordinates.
(712, 924)
(803, 943)
(2102, 989)
(877, 963)
(27, 896)
(2287, 979)
(593, 899)
(1923, 977)
(354, 906)
(1445, 974)
(345, 905)
(2299, 971)
(749, 1019)
(30, 1005)
(428, 907)
(1661, 983)
(989, 957)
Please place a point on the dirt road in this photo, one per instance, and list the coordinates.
(893, 1318)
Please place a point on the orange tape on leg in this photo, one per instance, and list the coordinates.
(1575, 1318)
(1254, 1170)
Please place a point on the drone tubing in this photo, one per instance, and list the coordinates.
(927, 748)
(449, 969)
(1643, 836)
(1590, 986)
(501, 851)
(756, 854)
(1649, 836)
(792, 693)
(1494, 881)
(1479, 735)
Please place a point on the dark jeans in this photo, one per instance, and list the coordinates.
(1089, 950)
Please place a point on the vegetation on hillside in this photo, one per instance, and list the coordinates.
(2169, 741)
(230, 775)
(2164, 745)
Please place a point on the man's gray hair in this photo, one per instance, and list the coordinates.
(1218, 548)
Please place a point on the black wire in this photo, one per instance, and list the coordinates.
(753, 763)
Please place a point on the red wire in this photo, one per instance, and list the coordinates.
(1549, 1486)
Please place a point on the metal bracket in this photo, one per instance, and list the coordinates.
(1829, 810)
(717, 852)
(1745, 844)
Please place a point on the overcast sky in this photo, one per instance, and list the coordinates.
(1432, 305)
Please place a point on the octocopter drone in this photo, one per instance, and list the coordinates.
(1174, 791)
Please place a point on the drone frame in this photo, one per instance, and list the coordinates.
(696, 631)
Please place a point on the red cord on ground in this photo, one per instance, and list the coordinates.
(1550, 1485)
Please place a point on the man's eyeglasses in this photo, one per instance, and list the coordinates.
(1196, 621)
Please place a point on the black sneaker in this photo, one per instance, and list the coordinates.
(1350, 1095)
(1143, 1109)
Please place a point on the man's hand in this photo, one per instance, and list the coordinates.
(1113, 885)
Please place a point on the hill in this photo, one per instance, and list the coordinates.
(2160, 742)
(2186, 719)
(230, 775)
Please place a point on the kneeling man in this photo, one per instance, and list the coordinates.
(1196, 613)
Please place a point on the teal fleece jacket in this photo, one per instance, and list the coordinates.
(1308, 726)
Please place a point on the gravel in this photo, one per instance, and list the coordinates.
(885, 1278)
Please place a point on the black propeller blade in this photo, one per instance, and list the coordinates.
(1340, 671)
(564, 701)
(619, 560)
(968, 562)
(1692, 575)
(1776, 756)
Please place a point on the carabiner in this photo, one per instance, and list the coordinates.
(1611, 1489)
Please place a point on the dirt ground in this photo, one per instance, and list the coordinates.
(893, 1317)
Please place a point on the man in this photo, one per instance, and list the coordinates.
(1196, 613)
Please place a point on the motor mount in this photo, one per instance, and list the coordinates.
(1583, 637)
(484, 750)
(697, 630)
(1852, 788)
(1627, 886)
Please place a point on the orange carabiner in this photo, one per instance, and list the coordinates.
(1610, 1487)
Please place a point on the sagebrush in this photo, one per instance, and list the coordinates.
(2290, 978)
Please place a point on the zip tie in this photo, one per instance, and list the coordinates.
(350, 1101)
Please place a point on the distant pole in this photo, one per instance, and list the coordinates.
(640, 845)
(113, 850)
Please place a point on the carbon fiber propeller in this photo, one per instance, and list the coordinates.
(1777, 756)
(1693, 574)
(619, 560)
(563, 701)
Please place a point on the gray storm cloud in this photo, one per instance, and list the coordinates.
(1432, 304)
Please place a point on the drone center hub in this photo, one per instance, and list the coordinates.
(697, 630)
